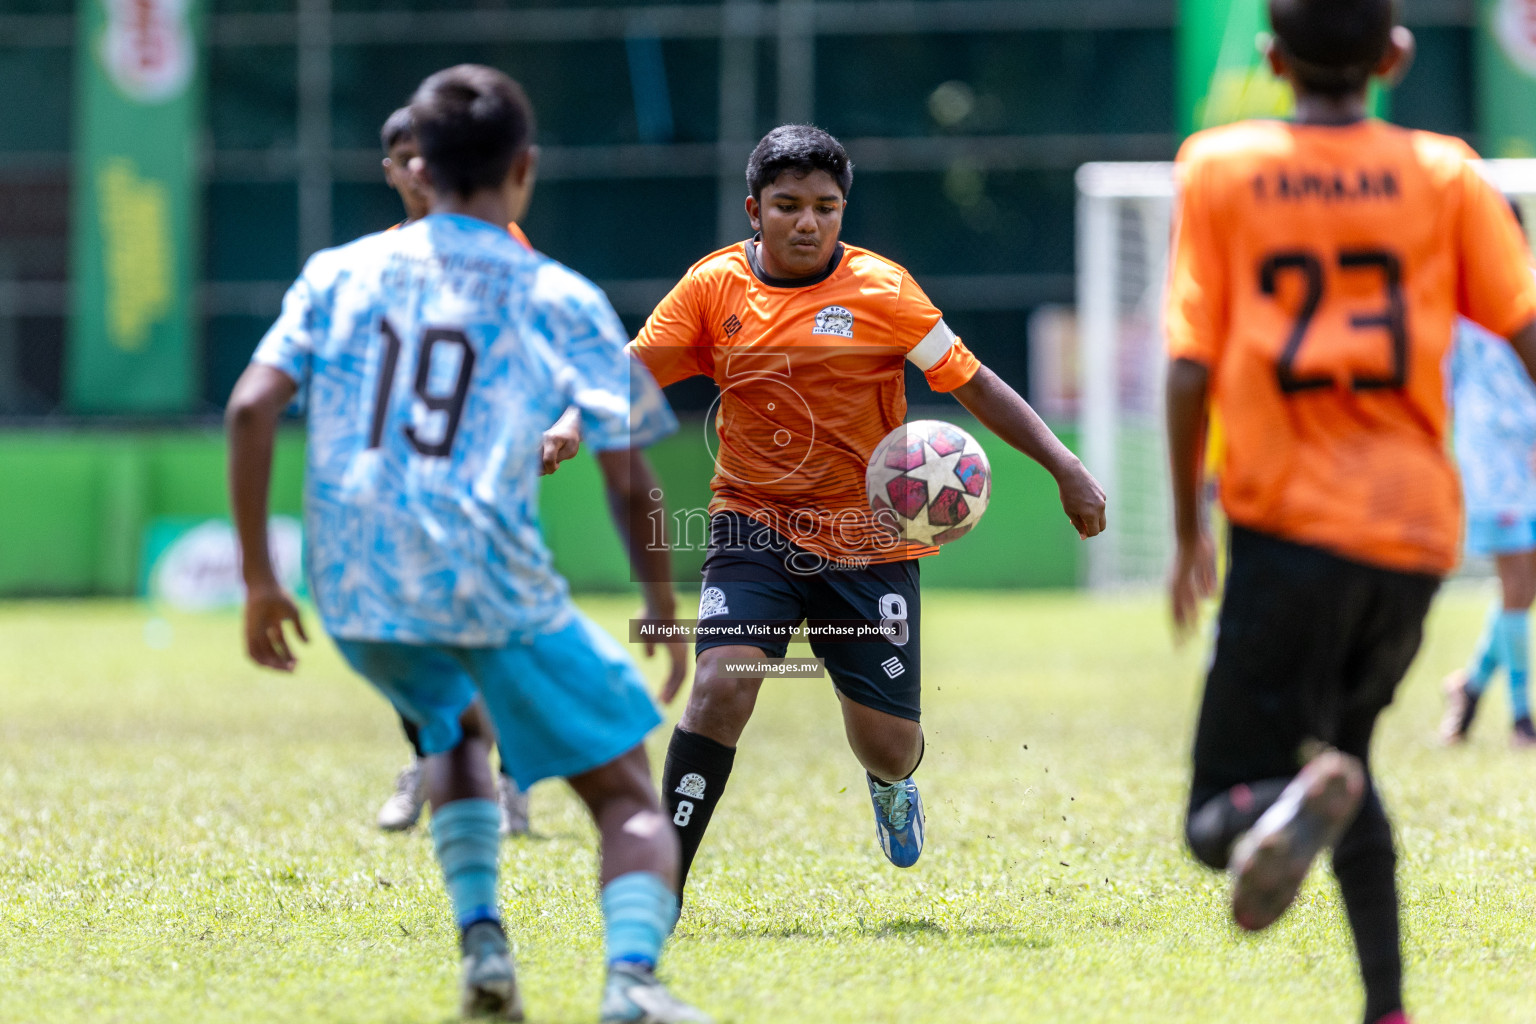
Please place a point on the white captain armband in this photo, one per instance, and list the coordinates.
(926, 353)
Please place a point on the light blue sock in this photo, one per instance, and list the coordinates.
(639, 911)
(1490, 651)
(1515, 629)
(468, 834)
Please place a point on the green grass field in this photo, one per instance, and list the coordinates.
(183, 837)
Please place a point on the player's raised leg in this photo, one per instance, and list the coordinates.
(879, 683)
(1271, 859)
(1283, 640)
(890, 748)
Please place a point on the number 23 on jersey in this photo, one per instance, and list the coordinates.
(1336, 361)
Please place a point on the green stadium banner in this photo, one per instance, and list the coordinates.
(1506, 78)
(1222, 75)
(133, 245)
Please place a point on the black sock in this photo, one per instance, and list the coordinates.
(1215, 824)
(412, 733)
(691, 781)
(1365, 864)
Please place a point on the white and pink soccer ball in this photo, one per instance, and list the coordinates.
(931, 479)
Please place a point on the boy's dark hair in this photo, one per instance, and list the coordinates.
(1333, 45)
(471, 122)
(397, 128)
(800, 148)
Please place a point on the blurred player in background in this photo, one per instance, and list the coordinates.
(431, 360)
(1495, 439)
(1317, 273)
(628, 480)
(807, 339)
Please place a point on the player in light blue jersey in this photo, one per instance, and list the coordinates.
(1494, 405)
(431, 359)
(1495, 439)
(628, 481)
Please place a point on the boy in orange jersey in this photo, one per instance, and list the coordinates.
(807, 337)
(1318, 269)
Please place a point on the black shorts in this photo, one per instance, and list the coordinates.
(754, 574)
(1310, 647)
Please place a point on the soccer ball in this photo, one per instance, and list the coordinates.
(930, 480)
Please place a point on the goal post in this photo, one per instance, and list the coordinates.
(1124, 223)
(1124, 213)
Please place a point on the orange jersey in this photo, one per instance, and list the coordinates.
(1317, 272)
(810, 377)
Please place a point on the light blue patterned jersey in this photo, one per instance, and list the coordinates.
(430, 360)
(1494, 405)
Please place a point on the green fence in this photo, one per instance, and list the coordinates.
(76, 505)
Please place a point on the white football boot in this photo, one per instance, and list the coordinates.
(634, 996)
(403, 808)
(513, 803)
(487, 982)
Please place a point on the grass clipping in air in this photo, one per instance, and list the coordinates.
(184, 837)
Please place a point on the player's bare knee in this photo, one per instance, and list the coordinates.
(719, 705)
(475, 724)
(891, 756)
(888, 747)
(624, 782)
(648, 825)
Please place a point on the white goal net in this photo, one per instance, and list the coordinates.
(1124, 213)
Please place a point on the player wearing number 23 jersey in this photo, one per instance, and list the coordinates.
(1318, 274)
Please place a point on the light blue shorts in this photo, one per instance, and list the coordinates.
(1500, 534)
(563, 703)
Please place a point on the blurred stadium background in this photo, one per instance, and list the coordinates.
(167, 165)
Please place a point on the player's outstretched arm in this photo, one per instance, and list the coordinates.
(640, 515)
(1002, 411)
(1194, 565)
(250, 421)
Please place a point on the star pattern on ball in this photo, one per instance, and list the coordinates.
(932, 478)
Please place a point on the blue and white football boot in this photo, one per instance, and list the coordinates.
(487, 982)
(632, 995)
(898, 820)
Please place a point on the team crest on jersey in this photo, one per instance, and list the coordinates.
(691, 786)
(834, 320)
(712, 602)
